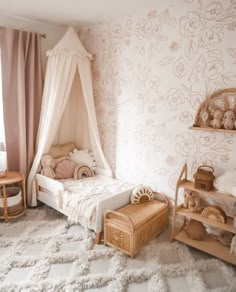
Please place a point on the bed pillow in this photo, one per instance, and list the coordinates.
(59, 159)
(65, 169)
(57, 151)
(84, 157)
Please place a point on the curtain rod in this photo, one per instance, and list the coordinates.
(43, 35)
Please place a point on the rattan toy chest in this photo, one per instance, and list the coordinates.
(133, 226)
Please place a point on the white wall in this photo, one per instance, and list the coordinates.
(54, 32)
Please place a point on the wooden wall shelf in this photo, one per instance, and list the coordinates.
(195, 128)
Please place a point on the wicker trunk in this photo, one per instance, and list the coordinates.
(132, 227)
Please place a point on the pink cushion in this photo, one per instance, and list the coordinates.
(65, 169)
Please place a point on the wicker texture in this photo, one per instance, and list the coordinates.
(214, 213)
(223, 100)
(130, 228)
(204, 178)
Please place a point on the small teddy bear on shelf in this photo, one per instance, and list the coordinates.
(192, 201)
(47, 163)
(204, 118)
(217, 119)
(229, 120)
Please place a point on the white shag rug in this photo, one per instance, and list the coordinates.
(42, 252)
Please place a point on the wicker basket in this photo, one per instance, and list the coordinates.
(14, 201)
(204, 178)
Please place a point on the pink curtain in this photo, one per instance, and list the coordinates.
(22, 85)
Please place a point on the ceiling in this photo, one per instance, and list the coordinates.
(72, 12)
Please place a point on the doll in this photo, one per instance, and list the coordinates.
(47, 163)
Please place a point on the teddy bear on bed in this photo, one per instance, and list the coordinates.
(47, 163)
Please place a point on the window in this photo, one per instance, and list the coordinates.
(2, 132)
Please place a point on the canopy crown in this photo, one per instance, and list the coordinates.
(70, 44)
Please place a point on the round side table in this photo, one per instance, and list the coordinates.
(11, 178)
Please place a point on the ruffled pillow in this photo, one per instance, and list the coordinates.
(65, 169)
(84, 157)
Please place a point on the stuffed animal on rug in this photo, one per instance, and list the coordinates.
(192, 201)
(226, 183)
(47, 163)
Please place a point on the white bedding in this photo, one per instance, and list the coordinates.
(83, 197)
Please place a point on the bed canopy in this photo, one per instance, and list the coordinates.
(68, 112)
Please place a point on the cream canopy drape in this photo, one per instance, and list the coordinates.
(63, 62)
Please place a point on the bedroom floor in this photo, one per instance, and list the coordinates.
(40, 252)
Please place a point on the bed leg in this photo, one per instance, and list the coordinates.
(98, 237)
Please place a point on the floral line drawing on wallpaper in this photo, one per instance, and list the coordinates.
(205, 28)
(198, 149)
(175, 98)
(152, 134)
(149, 30)
(209, 148)
(202, 31)
(232, 53)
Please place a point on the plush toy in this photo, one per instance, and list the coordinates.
(47, 163)
(192, 201)
(204, 118)
(217, 120)
(229, 120)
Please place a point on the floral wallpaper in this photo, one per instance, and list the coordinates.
(151, 72)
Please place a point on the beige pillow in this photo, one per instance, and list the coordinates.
(58, 160)
(65, 169)
(61, 150)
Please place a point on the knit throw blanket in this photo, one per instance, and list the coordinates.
(81, 197)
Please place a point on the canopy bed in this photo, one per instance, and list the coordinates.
(68, 114)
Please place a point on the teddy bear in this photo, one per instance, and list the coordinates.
(204, 118)
(229, 120)
(217, 119)
(192, 201)
(47, 163)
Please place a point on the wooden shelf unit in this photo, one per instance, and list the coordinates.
(209, 244)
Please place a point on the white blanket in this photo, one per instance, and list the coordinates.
(81, 197)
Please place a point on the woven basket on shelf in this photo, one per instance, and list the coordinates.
(204, 178)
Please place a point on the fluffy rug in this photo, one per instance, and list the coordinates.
(42, 252)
